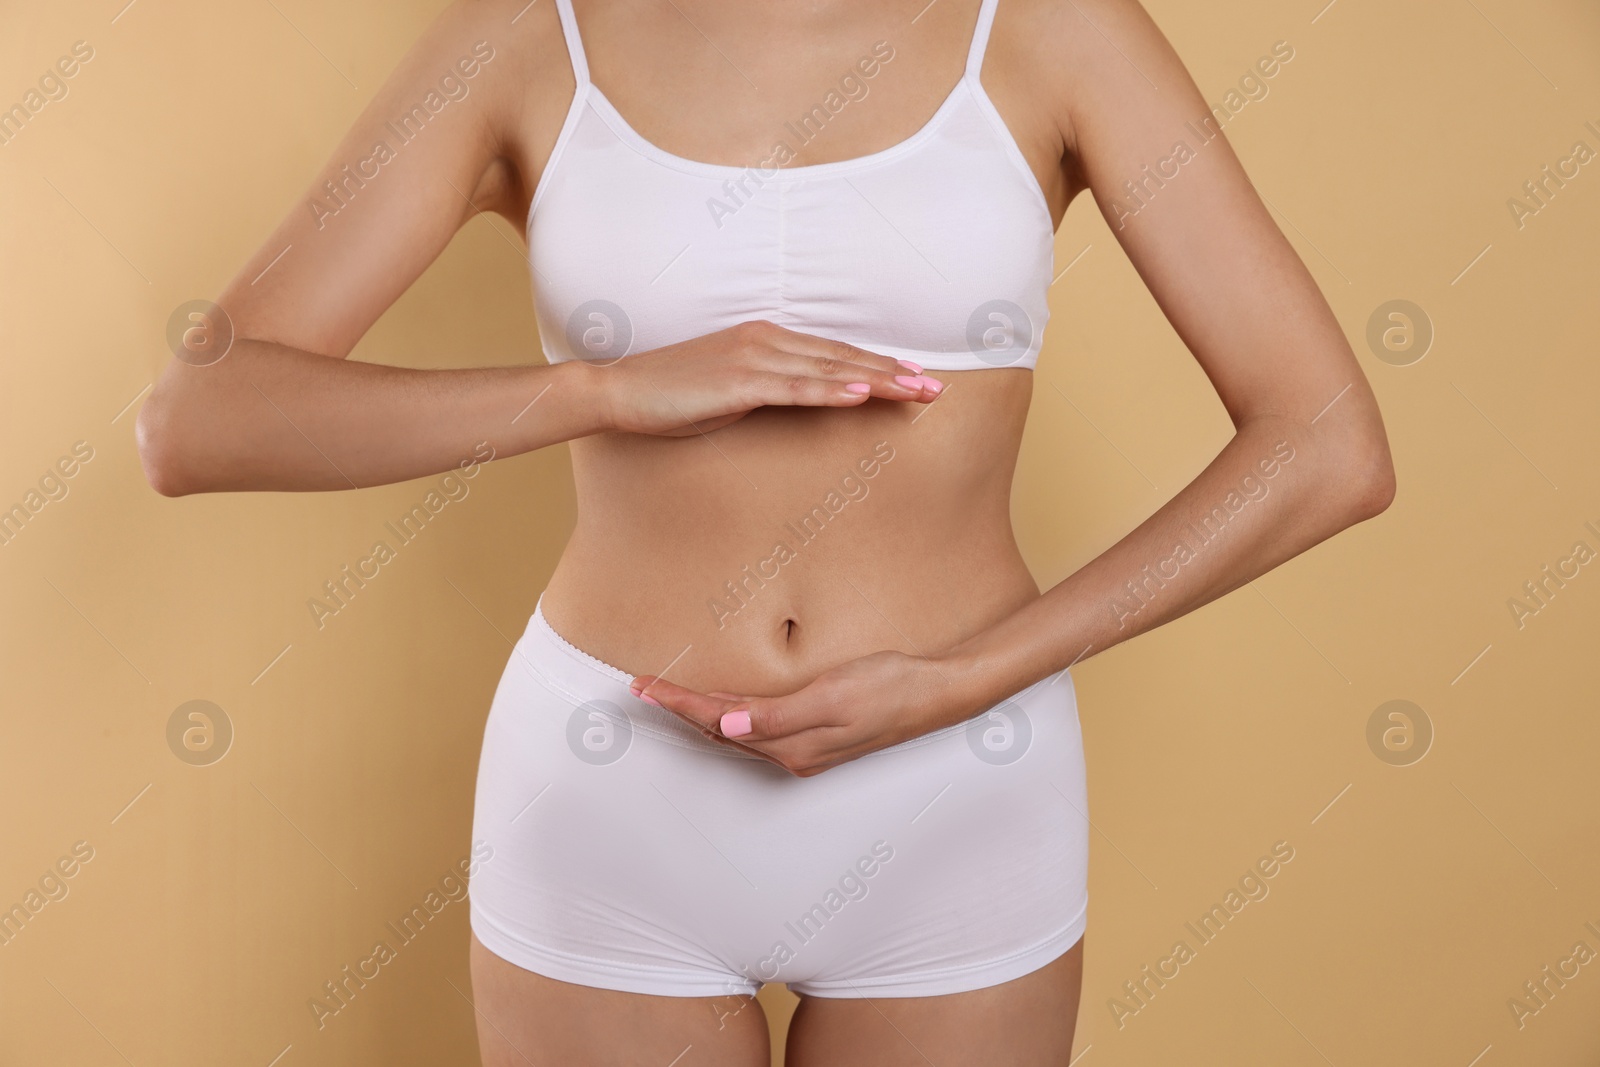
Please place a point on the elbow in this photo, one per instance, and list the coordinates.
(1370, 477)
(160, 450)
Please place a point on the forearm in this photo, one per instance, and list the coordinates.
(1248, 511)
(270, 417)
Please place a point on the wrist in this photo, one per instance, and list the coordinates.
(971, 679)
(956, 678)
(591, 389)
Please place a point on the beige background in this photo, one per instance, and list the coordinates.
(220, 898)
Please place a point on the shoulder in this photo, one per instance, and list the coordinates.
(515, 45)
(511, 54)
(1084, 58)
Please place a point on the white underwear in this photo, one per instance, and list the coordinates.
(631, 853)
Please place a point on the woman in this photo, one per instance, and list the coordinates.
(791, 708)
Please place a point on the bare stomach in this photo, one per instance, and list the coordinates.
(753, 558)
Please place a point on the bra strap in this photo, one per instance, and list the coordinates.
(980, 36)
(569, 30)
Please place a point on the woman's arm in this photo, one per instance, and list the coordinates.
(277, 412)
(1309, 456)
(440, 142)
(1308, 459)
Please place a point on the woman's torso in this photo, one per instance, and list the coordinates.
(752, 558)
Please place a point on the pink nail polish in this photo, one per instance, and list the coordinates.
(858, 388)
(735, 724)
(912, 367)
(909, 381)
(648, 699)
(934, 387)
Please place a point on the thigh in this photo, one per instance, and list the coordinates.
(1027, 1022)
(525, 1018)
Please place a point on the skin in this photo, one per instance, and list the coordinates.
(689, 460)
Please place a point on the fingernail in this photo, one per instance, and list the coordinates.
(909, 366)
(858, 387)
(909, 381)
(934, 387)
(648, 699)
(735, 724)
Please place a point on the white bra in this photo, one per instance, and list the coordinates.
(938, 250)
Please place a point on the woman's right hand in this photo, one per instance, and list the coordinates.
(707, 382)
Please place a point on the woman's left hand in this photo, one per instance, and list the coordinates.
(857, 707)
